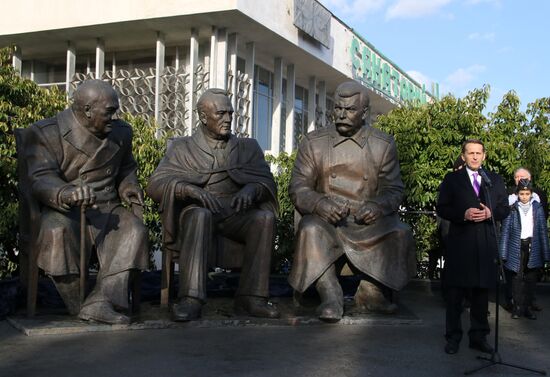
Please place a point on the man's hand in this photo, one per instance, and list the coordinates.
(208, 200)
(133, 195)
(328, 210)
(76, 196)
(368, 213)
(244, 199)
(478, 214)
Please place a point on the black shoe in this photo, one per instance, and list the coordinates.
(529, 314)
(481, 346)
(451, 347)
(188, 309)
(255, 307)
(535, 307)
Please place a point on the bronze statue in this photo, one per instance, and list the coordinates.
(83, 158)
(346, 185)
(213, 183)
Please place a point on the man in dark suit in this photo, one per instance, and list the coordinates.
(215, 183)
(469, 202)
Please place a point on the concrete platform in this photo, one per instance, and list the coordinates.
(218, 312)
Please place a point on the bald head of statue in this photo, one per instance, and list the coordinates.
(95, 102)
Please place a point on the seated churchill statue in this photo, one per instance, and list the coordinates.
(83, 157)
(213, 183)
(346, 185)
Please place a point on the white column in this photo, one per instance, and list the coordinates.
(232, 46)
(113, 66)
(322, 102)
(311, 103)
(193, 61)
(70, 68)
(213, 76)
(17, 60)
(159, 68)
(277, 104)
(249, 70)
(290, 98)
(221, 60)
(99, 58)
(32, 70)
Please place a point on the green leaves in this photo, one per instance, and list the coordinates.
(429, 138)
(22, 103)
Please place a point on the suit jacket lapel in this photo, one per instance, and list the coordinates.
(205, 161)
(77, 135)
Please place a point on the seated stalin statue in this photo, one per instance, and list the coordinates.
(346, 185)
(83, 157)
(213, 183)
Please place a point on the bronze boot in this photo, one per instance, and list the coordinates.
(255, 307)
(332, 297)
(371, 298)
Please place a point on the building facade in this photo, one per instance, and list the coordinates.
(279, 60)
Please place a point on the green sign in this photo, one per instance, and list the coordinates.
(377, 73)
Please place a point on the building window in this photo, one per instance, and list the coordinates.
(300, 113)
(46, 72)
(263, 107)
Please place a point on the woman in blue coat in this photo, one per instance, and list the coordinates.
(524, 247)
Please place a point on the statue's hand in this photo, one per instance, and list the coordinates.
(368, 213)
(132, 195)
(76, 196)
(328, 210)
(208, 200)
(243, 199)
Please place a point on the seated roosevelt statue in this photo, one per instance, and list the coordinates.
(213, 183)
(83, 157)
(346, 185)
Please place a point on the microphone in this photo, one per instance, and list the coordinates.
(485, 177)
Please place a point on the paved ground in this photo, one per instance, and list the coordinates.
(385, 348)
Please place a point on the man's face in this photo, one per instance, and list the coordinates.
(349, 115)
(100, 114)
(522, 174)
(473, 156)
(217, 117)
(524, 196)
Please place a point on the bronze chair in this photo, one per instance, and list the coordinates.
(29, 216)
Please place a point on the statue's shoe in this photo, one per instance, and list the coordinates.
(188, 309)
(256, 307)
(331, 311)
(103, 312)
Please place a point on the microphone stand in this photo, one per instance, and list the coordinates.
(495, 358)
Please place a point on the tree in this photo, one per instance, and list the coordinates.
(22, 103)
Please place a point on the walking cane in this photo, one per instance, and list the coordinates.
(82, 252)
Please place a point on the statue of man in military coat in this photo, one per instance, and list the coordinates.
(346, 185)
(83, 157)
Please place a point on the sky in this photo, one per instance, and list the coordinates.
(460, 44)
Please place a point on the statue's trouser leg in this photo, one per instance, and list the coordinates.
(197, 241)
(330, 291)
(112, 289)
(256, 230)
(316, 250)
(68, 287)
